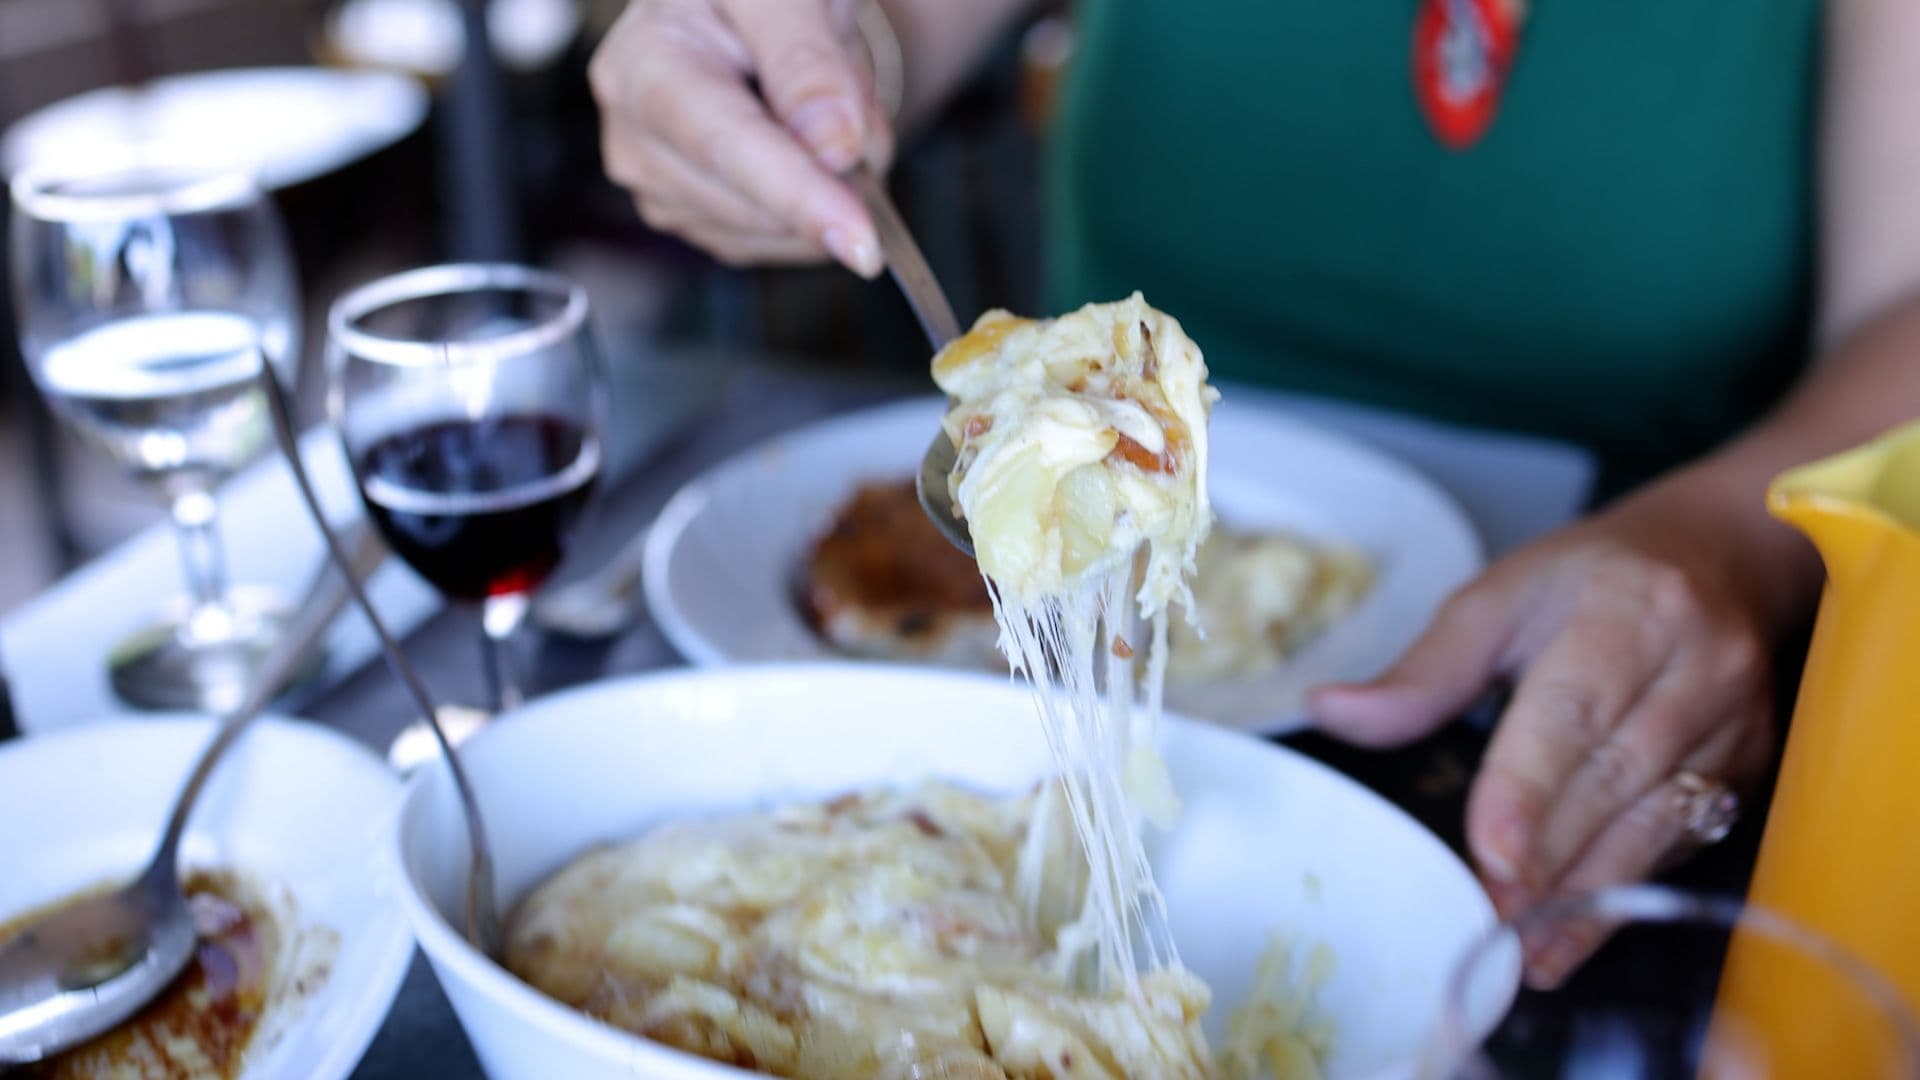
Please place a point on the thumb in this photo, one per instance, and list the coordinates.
(1438, 676)
(805, 75)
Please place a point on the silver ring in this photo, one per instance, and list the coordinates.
(1707, 808)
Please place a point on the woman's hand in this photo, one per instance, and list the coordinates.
(1640, 642)
(751, 177)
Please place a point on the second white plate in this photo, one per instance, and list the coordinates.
(295, 808)
(721, 558)
(284, 126)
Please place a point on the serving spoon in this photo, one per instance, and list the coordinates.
(483, 910)
(73, 974)
(929, 302)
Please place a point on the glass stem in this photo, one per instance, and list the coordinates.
(204, 562)
(500, 618)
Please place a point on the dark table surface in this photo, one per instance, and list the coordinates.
(421, 1036)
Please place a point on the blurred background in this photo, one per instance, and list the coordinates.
(434, 149)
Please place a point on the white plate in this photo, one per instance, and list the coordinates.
(293, 806)
(284, 125)
(1270, 841)
(720, 558)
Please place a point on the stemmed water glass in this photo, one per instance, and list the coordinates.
(1683, 986)
(469, 399)
(148, 293)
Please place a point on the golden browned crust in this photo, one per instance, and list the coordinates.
(883, 582)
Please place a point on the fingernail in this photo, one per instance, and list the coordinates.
(857, 255)
(1549, 969)
(828, 128)
(1500, 853)
(1497, 866)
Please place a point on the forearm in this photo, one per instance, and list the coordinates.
(1868, 383)
(942, 41)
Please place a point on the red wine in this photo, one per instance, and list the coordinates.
(481, 507)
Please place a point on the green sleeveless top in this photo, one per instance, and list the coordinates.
(1623, 259)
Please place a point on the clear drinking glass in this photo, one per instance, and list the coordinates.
(469, 400)
(1684, 986)
(148, 293)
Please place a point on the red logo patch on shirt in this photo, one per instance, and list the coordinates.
(1462, 50)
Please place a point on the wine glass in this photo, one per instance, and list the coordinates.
(468, 397)
(1683, 986)
(148, 292)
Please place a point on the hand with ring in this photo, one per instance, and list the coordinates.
(1644, 696)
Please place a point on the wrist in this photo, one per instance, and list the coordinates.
(1715, 511)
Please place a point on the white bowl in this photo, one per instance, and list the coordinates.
(1269, 840)
(293, 807)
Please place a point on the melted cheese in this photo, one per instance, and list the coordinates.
(1081, 470)
(1080, 440)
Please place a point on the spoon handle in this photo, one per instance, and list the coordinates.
(301, 635)
(904, 260)
(483, 918)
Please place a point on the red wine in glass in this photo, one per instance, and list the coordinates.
(483, 507)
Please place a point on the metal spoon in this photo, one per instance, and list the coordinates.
(600, 605)
(933, 484)
(929, 302)
(483, 911)
(79, 971)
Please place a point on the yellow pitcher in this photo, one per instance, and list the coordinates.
(1841, 851)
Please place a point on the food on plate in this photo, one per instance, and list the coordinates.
(882, 582)
(877, 934)
(1278, 1031)
(247, 978)
(1080, 447)
(1260, 597)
